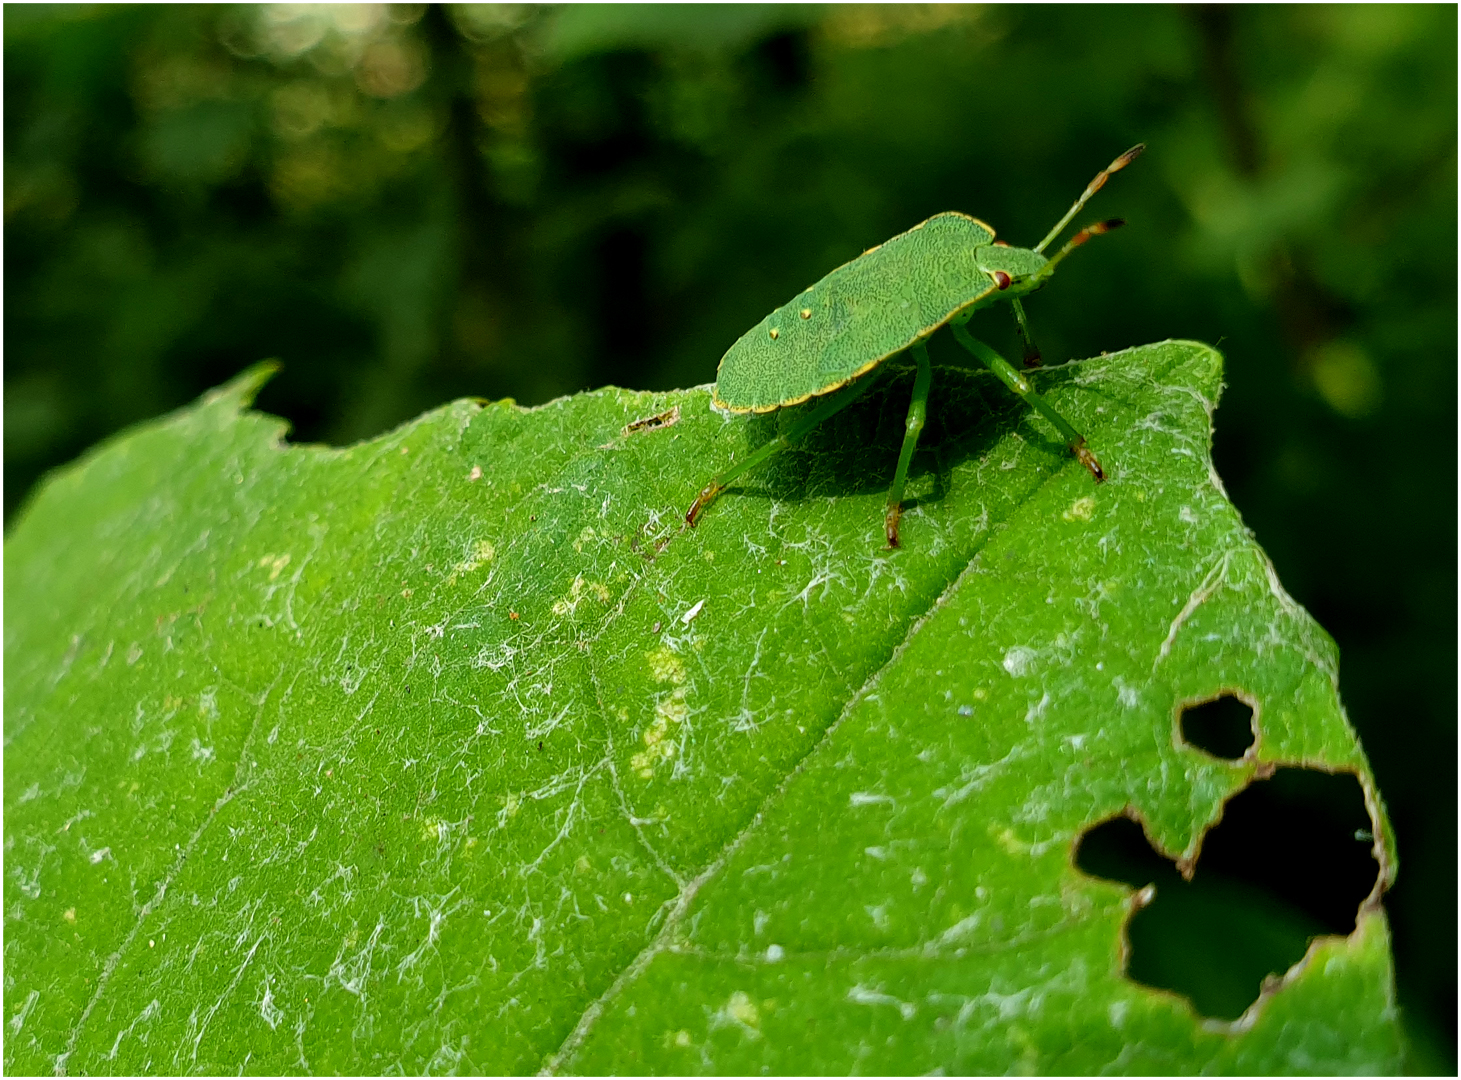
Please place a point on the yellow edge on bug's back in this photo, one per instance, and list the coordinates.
(859, 373)
(948, 303)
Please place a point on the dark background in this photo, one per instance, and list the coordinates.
(408, 204)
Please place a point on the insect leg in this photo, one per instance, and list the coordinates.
(827, 407)
(917, 413)
(1022, 326)
(1020, 385)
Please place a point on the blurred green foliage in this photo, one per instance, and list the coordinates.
(407, 204)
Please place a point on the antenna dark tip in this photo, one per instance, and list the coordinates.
(1126, 158)
(1100, 228)
(1091, 188)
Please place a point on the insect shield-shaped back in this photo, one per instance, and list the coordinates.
(857, 316)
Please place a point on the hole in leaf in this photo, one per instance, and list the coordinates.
(1223, 727)
(1290, 860)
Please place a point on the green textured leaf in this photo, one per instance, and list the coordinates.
(455, 750)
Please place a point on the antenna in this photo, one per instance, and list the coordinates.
(1098, 229)
(1091, 188)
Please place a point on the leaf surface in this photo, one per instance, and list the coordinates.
(455, 751)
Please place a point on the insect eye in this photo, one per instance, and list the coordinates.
(1002, 280)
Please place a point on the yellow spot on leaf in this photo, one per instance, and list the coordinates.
(566, 605)
(1081, 509)
(659, 745)
(670, 712)
(482, 553)
(665, 666)
(743, 1011)
(1006, 839)
(569, 602)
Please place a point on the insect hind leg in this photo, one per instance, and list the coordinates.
(826, 408)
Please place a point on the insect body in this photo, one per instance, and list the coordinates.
(888, 299)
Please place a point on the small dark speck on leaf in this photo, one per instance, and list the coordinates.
(540, 744)
(668, 418)
(532, 517)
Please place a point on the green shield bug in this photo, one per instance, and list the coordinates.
(890, 298)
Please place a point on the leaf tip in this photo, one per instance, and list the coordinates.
(245, 386)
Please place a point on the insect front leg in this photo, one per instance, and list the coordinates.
(917, 414)
(1022, 327)
(1006, 374)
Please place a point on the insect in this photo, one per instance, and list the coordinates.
(888, 299)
